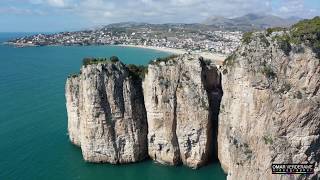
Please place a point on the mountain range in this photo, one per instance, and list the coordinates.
(251, 21)
(247, 22)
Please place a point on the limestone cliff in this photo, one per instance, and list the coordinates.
(72, 100)
(177, 94)
(106, 113)
(270, 108)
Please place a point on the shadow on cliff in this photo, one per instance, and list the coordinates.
(211, 78)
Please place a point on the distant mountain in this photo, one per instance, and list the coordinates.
(217, 20)
(126, 24)
(251, 21)
(247, 22)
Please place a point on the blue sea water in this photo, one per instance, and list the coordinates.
(33, 123)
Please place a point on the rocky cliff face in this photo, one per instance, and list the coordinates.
(270, 108)
(178, 95)
(72, 100)
(106, 114)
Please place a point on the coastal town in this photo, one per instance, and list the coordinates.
(188, 38)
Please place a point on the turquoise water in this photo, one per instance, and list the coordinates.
(33, 121)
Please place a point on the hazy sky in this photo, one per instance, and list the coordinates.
(60, 15)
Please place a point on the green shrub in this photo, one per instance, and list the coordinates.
(298, 95)
(286, 47)
(114, 59)
(268, 139)
(185, 76)
(308, 32)
(164, 82)
(205, 61)
(222, 108)
(268, 72)
(225, 71)
(275, 29)
(137, 71)
(165, 99)
(247, 37)
(230, 60)
(91, 60)
(163, 59)
(285, 87)
(284, 43)
(204, 104)
(248, 152)
(264, 40)
(73, 75)
(243, 54)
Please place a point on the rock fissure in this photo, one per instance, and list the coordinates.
(174, 125)
(211, 78)
(174, 128)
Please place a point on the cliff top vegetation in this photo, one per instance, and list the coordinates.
(163, 59)
(308, 32)
(89, 61)
(137, 71)
(305, 32)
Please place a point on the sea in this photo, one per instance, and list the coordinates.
(34, 144)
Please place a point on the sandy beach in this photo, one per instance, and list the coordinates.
(164, 49)
(218, 58)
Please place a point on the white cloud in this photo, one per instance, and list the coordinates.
(283, 9)
(107, 14)
(160, 11)
(57, 3)
(53, 3)
(36, 1)
(289, 8)
(19, 11)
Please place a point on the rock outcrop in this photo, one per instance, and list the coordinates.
(178, 94)
(106, 113)
(270, 110)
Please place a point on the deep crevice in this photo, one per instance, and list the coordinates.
(211, 79)
(138, 98)
(175, 140)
